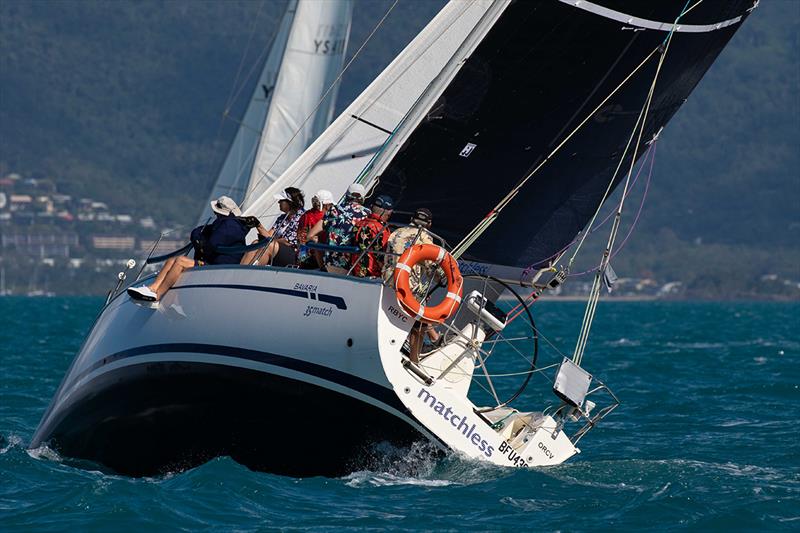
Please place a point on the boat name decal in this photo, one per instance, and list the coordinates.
(469, 267)
(305, 287)
(506, 449)
(461, 423)
(321, 311)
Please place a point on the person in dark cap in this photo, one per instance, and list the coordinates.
(401, 238)
(371, 234)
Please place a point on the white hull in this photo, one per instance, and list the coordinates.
(324, 346)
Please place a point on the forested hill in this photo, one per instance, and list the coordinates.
(123, 101)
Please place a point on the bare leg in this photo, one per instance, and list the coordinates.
(415, 340)
(181, 264)
(266, 255)
(271, 252)
(432, 334)
(162, 274)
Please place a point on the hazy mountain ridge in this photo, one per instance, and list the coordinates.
(122, 102)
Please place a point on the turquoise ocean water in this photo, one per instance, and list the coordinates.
(705, 439)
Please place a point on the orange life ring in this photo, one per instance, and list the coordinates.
(405, 296)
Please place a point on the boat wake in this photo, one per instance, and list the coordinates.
(421, 464)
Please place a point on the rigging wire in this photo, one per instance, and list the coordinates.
(230, 99)
(533, 296)
(482, 226)
(594, 295)
(635, 220)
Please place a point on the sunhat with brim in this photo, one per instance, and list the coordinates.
(224, 205)
(324, 196)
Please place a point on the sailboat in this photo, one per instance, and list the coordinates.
(513, 122)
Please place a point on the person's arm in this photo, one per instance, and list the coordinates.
(315, 231)
(264, 232)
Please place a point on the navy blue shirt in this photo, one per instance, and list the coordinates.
(224, 231)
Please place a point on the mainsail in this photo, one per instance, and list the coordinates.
(293, 101)
(540, 71)
(340, 154)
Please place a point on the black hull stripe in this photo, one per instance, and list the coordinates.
(366, 387)
(338, 301)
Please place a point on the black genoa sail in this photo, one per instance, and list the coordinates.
(540, 71)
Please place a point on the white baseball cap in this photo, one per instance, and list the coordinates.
(356, 188)
(324, 196)
(224, 205)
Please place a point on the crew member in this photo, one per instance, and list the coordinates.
(226, 230)
(321, 204)
(371, 235)
(339, 224)
(282, 250)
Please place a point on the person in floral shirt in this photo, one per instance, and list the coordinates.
(282, 251)
(371, 235)
(339, 224)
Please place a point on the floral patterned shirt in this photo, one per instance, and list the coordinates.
(286, 227)
(370, 234)
(339, 224)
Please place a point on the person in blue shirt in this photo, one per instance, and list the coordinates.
(226, 230)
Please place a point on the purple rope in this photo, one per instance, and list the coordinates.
(630, 190)
(638, 213)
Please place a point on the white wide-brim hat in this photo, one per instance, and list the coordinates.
(224, 205)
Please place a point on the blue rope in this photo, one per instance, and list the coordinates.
(675, 24)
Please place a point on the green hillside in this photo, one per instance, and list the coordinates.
(123, 101)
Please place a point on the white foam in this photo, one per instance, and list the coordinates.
(44, 452)
(13, 441)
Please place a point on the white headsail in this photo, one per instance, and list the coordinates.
(338, 156)
(293, 101)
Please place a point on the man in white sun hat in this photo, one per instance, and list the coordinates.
(321, 203)
(226, 230)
